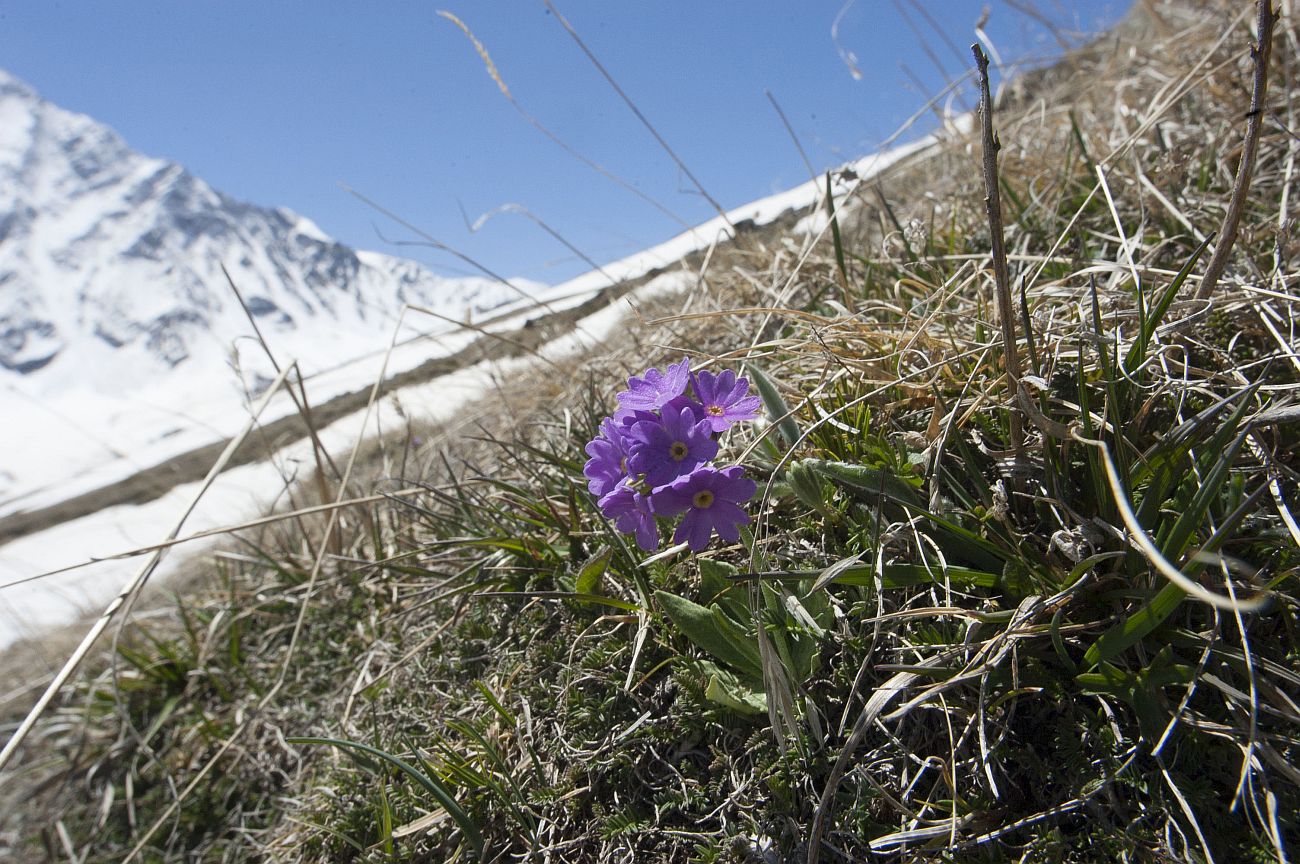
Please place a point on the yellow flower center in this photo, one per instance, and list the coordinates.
(678, 451)
(716, 410)
(702, 499)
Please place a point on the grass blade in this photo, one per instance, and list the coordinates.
(1137, 353)
(433, 787)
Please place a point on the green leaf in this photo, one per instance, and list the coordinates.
(718, 586)
(709, 631)
(588, 581)
(601, 600)
(715, 577)
(1123, 636)
(1140, 689)
(904, 575)
(743, 642)
(777, 410)
(885, 485)
(501, 710)
(807, 486)
(1210, 486)
(873, 481)
(897, 576)
(1120, 637)
(726, 690)
(1137, 354)
(598, 599)
(835, 231)
(1017, 579)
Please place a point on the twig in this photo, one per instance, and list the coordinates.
(627, 100)
(785, 121)
(1249, 146)
(993, 207)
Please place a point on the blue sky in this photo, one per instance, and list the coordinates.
(277, 102)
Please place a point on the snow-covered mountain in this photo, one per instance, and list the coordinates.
(121, 343)
(110, 265)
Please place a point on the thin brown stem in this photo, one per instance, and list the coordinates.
(993, 208)
(1249, 146)
(298, 396)
(627, 100)
(785, 121)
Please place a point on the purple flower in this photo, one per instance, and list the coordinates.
(711, 499)
(685, 401)
(655, 388)
(630, 511)
(666, 448)
(628, 416)
(723, 399)
(608, 463)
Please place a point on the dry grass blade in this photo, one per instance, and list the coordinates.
(217, 532)
(627, 100)
(785, 121)
(433, 242)
(495, 75)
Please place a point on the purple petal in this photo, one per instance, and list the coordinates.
(694, 530)
(684, 401)
(631, 514)
(647, 534)
(734, 486)
(667, 501)
(604, 469)
(727, 519)
(654, 389)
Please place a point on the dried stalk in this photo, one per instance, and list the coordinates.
(993, 208)
(1249, 146)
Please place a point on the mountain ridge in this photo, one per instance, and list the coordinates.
(105, 248)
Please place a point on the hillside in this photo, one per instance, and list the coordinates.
(1016, 580)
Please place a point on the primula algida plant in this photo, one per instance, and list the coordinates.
(654, 458)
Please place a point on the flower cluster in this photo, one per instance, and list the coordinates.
(653, 458)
